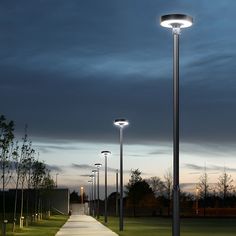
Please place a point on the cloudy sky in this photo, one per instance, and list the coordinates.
(69, 68)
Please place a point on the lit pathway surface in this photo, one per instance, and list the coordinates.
(84, 225)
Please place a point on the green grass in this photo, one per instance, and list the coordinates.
(41, 228)
(162, 226)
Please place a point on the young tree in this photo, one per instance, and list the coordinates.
(38, 172)
(6, 152)
(225, 186)
(27, 154)
(21, 172)
(204, 189)
(46, 187)
(17, 169)
(30, 162)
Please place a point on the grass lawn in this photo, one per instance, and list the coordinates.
(41, 228)
(162, 226)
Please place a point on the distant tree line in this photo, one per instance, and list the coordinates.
(154, 195)
(21, 168)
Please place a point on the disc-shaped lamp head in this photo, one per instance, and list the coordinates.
(176, 21)
(98, 165)
(121, 122)
(105, 153)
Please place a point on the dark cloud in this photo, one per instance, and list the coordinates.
(55, 168)
(90, 167)
(161, 152)
(51, 148)
(82, 166)
(84, 175)
(69, 68)
(210, 168)
(194, 167)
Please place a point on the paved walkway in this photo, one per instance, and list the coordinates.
(84, 225)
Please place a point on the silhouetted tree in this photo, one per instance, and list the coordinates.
(38, 173)
(74, 197)
(6, 152)
(225, 186)
(137, 189)
(168, 185)
(204, 189)
(157, 185)
(46, 189)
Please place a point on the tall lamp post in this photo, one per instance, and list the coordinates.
(117, 192)
(197, 197)
(176, 22)
(121, 123)
(92, 196)
(105, 154)
(82, 194)
(98, 165)
(94, 191)
(56, 179)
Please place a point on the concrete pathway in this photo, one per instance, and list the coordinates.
(84, 225)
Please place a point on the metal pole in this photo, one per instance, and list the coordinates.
(98, 195)
(56, 179)
(105, 188)
(92, 197)
(197, 191)
(89, 198)
(117, 193)
(95, 207)
(176, 191)
(121, 180)
(82, 195)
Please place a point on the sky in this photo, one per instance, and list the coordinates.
(69, 68)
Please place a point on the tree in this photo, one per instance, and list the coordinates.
(24, 165)
(137, 189)
(204, 189)
(16, 167)
(168, 185)
(157, 185)
(37, 175)
(74, 197)
(135, 176)
(46, 187)
(48, 182)
(225, 185)
(6, 153)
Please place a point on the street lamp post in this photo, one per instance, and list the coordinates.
(117, 192)
(105, 154)
(197, 196)
(94, 191)
(176, 22)
(98, 165)
(82, 194)
(121, 123)
(92, 197)
(56, 179)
